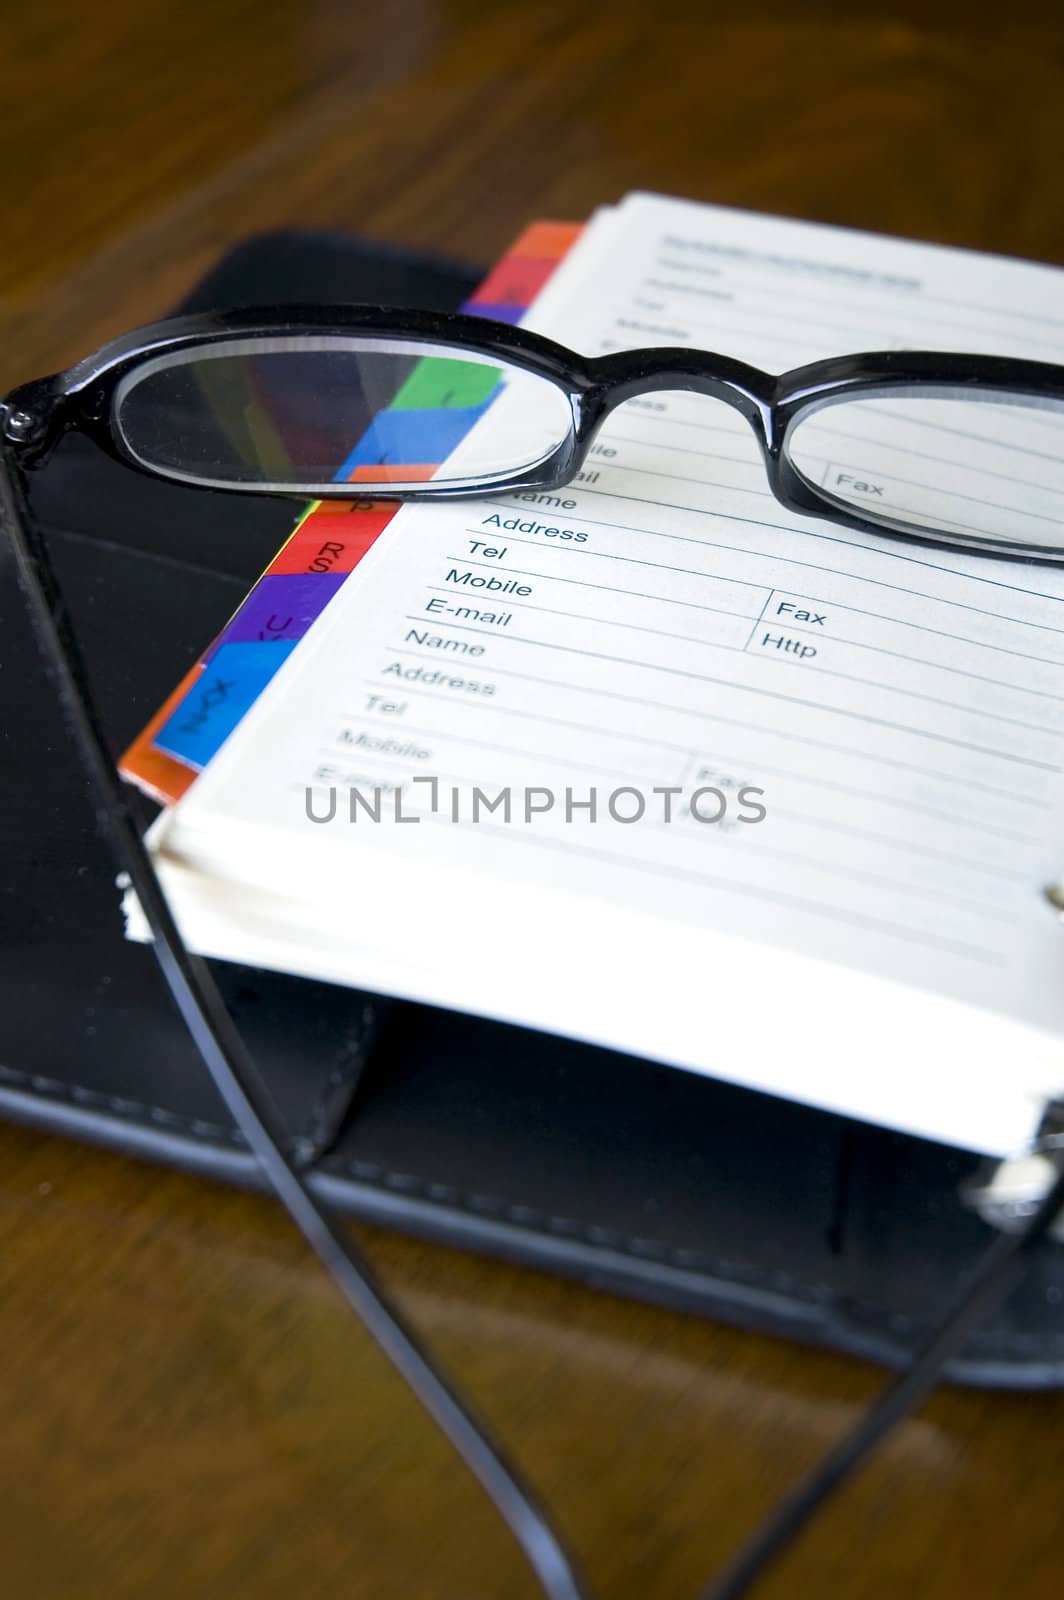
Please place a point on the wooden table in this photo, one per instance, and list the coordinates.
(187, 1409)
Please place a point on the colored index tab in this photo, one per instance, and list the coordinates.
(441, 381)
(396, 437)
(333, 541)
(435, 407)
(498, 311)
(228, 685)
(515, 281)
(282, 607)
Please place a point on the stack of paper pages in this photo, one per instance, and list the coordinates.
(649, 760)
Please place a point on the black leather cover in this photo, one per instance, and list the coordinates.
(627, 1175)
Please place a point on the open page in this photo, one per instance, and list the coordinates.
(759, 795)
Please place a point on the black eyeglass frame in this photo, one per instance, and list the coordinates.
(32, 420)
(37, 414)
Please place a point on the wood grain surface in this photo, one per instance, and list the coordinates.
(186, 1408)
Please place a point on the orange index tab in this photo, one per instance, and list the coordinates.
(399, 472)
(152, 770)
(547, 239)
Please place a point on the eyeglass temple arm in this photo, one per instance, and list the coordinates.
(236, 1076)
(256, 1116)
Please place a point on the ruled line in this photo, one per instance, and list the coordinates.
(607, 588)
(687, 875)
(799, 819)
(1057, 629)
(704, 757)
(742, 722)
(722, 840)
(747, 688)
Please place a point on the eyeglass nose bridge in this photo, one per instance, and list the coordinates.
(630, 374)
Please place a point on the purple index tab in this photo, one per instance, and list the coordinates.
(281, 608)
(500, 313)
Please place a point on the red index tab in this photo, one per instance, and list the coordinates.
(334, 538)
(515, 281)
(526, 266)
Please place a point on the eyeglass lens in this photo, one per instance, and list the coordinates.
(307, 412)
(970, 463)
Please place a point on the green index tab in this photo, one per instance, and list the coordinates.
(442, 382)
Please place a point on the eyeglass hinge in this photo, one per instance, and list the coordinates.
(1005, 1193)
(18, 426)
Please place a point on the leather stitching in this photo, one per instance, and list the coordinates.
(118, 1105)
(537, 1220)
(318, 1123)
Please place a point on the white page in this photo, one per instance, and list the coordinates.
(907, 744)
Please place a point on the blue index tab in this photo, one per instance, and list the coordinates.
(229, 685)
(412, 438)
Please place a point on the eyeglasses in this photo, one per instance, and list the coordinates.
(376, 402)
(960, 450)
